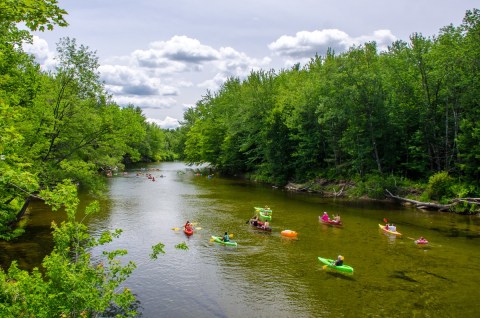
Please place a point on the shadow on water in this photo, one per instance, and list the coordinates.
(402, 275)
(341, 276)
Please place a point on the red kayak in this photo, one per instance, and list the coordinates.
(331, 222)
(188, 231)
(260, 226)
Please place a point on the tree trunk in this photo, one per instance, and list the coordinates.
(422, 205)
(23, 209)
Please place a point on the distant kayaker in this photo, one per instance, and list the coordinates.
(226, 238)
(254, 220)
(325, 217)
(392, 228)
(266, 225)
(188, 225)
(337, 218)
(387, 227)
(339, 261)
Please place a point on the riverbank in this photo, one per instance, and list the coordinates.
(405, 196)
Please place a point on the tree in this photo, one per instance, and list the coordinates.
(72, 282)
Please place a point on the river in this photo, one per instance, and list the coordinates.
(268, 275)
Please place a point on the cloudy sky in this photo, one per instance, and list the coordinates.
(163, 55)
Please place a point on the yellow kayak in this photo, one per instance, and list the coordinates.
(388, 231)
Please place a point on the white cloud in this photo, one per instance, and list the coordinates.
(167, 123)
(40, 49)
(159, 78)
(305, 44)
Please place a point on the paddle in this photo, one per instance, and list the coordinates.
(176, 228)
(324, 267)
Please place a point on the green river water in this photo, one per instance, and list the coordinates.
(268, 275)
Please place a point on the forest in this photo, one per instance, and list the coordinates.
(403, 121)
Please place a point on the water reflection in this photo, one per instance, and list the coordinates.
(268, 275)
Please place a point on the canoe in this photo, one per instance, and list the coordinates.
(261, 227)
(218, 239)
(344, 268)
(289, 233)
(388, 231)
(188, 232)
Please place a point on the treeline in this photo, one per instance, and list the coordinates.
(410, 112)
(61, 124)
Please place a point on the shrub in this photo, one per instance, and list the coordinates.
(440, 186)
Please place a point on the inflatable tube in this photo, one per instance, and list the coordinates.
(289, 233)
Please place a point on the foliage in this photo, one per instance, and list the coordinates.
(439, 186)
(72, 283)
(410, 111)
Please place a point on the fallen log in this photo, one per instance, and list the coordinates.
(422, 205)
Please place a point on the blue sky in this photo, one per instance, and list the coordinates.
(163, 56)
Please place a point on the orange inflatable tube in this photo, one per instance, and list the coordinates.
(289, 233)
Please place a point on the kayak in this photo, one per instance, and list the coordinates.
(188, 232)
(261, 227)
(289, 233)
(421, 241)
(344, 268)
(388, 231)
(264, 214)
(219, 240)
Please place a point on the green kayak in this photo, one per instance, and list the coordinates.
(344, 268)
(218, 239)
(264, 214)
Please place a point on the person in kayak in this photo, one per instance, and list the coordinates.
(226, 238)
(387, 227)
(254, 220)
(188, 225)
(325, 217)
(337, 218)
(339, 261)
(392, 228)
(266, 225)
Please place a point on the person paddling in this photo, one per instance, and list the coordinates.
(226, 238)
(339, 261)
(325, 217)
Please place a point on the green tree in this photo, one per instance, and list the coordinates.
(72, 282)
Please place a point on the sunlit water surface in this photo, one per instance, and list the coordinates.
(268, 275)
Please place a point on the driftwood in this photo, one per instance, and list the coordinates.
(422, 205)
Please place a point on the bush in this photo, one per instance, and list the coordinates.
(374, 186)
(440, 186)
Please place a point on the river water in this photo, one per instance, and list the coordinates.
(268, 275)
